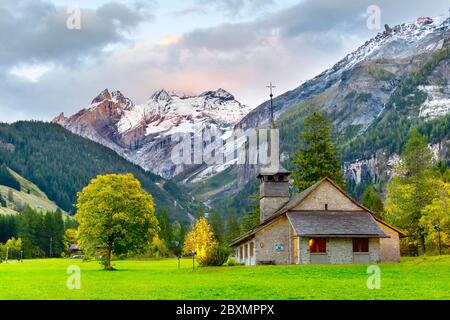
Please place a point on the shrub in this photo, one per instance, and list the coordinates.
(215, 256)
(232, 262)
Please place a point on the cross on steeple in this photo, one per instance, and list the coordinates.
(272, 121)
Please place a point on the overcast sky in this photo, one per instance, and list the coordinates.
(187, 46)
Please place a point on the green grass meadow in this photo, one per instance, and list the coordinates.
(413, 278)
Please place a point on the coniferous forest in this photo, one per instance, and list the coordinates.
(61, 164)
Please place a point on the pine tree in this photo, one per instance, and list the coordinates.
(166, 230)
(179, 234)
(252, 217)
(372, 200)
(232, 226)
(217, 225)
(200, 213)
(316, 157)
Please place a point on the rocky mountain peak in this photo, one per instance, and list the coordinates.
(218, 94)
(161, 95)
(424, 21)
(60, 119)
(104, 95)
(117, 96)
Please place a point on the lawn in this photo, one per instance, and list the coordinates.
(413, 278)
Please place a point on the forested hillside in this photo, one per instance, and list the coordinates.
(61, 164)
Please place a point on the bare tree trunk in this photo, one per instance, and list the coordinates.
(108, 260)
(422, 243)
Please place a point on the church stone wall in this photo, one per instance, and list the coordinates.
(304, 251)
(276, 233)
(326, 193)
(269, 205)
(389, 247)
(340, 251)
(374, 250)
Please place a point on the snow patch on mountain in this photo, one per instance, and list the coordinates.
(170, 114)
(437, 103)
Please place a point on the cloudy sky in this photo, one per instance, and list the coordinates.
(50, 63)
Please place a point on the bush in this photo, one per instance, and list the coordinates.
(232, 262)
(215, 256)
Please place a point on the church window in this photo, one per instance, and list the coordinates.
(360, 245)
(318, 245)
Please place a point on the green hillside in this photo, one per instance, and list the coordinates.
(29, 194)
(60, 164)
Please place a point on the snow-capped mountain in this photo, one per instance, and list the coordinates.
(377, 67)
(408, 63)
(144, 133)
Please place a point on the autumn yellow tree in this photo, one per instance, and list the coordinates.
(200, 239)
(70, 237)
(115, 215)
(438, 214)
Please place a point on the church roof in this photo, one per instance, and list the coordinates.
(335, 223)
(271, 171)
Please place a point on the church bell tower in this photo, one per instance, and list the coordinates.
(273, 192)
(273, 181)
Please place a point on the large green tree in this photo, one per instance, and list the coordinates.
(412, 189)
(316, 157)
(116, 215)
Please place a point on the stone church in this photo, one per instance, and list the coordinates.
(321, 225)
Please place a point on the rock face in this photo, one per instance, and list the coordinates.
(144, 133)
